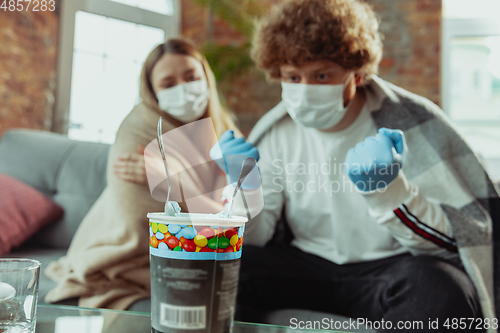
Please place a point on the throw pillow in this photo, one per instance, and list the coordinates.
(23, 211)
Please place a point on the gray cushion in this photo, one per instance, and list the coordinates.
(34, 157)
(73, 173)
(81, 179)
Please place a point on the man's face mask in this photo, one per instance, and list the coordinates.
(185, 102)
(319, 106)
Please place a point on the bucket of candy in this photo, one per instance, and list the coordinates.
(195, 262)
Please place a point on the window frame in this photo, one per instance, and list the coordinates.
(463, 27)
(169, 23)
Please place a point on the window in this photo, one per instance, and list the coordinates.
(107, 58)
(471, 75)
(101, 56)
(158, 6)
(475, 79)
(466, 9)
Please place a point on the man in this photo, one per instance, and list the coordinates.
(391, 212)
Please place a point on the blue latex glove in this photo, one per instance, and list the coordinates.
(375, 162)
(230, 152)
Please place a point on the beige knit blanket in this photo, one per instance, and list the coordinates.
(107, 264)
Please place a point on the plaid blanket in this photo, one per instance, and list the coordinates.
(470, 200)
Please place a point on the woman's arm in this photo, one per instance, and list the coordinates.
(130, 167)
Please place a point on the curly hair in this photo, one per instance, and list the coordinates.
(301, 31)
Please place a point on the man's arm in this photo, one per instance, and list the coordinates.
(417, 223)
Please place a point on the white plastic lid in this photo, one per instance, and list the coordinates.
(197, 219)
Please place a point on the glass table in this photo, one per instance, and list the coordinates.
(72, 319)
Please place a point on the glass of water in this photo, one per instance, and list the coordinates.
(18, 294)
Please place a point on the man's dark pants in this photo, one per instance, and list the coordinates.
(399, 288)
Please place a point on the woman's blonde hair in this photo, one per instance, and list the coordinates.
(300, 31)
(221, 118)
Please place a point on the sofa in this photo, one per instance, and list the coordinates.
(71, 173)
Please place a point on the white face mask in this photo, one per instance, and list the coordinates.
(185, 102)
(319, 106)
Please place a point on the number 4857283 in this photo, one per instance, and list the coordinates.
(33, 5)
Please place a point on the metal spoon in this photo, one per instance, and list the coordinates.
(7, 292)
(247, 166)
(169, 207)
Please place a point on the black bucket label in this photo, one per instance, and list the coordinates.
(194, 277)
(193, 295)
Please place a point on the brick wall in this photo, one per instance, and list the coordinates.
(412, 44)
(411, 57)
(194, 21)
(28, 57)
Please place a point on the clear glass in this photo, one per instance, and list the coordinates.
(147, 39)
(107, 321)
(475, 78)
(18, 294)
(158, 6)
(88, 93)
(120, 39)
(89, 36)
(470, 9)
(132, 3)
(475, 96)
(165, 7)
(105, 79)
(485, 140)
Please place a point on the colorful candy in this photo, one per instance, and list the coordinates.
(172, 242)
(233, 240)
(174, 228)
(239, 243)
(229, 233)
(179, 235)
(154, 242)
(207, 232)
(223, 242)
(212, 243)
(226, 250)
(200, 240)
(189, 232)
(189, 245)
(162, 228)
(206, 249)
(188, 238)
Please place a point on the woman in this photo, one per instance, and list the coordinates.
(107, 264)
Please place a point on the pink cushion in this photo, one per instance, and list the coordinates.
(23, 211)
